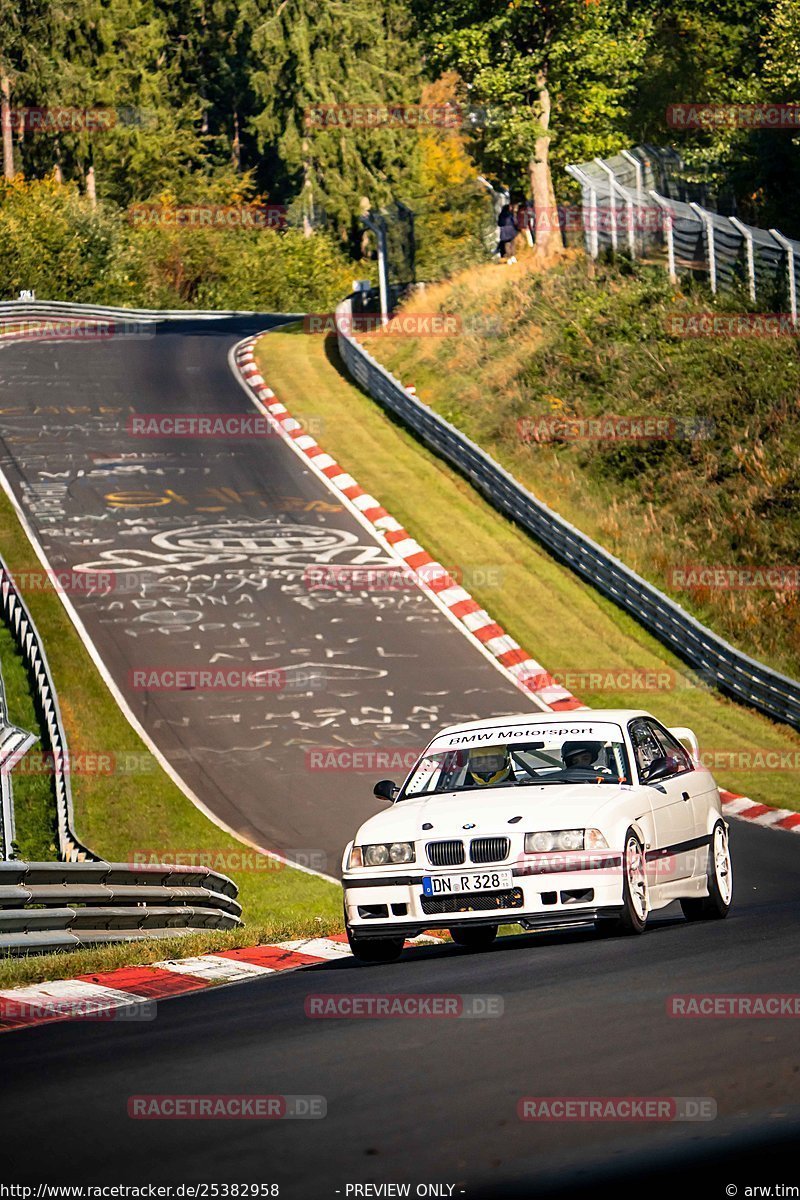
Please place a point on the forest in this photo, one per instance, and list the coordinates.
(316, 113)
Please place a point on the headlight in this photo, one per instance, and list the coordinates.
(393, 852)
(539, 843)
(401, 852)
(356, 858)
(565, 839)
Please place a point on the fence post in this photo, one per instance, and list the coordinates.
(586, 183)
(626, 196)
(750, 257)
(377, 225)
(786, 246)
(666, 213)
(637, 166)
(708, 228)
(611, 208)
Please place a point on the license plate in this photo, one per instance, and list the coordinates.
(474, 881)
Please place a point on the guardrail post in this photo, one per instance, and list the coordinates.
(749, 256)
(788, 249)
(711, 250)
(666, 217)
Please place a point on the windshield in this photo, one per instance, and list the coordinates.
(544, 755)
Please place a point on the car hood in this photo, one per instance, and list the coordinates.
(491, 811)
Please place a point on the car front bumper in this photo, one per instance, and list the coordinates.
(394, 904)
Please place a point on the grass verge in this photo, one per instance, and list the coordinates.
(19, 972)
(560, 620)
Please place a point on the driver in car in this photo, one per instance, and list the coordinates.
(581, 754)
(489, 765)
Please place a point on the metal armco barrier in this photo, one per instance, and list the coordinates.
(720, 664)
(79, 904)
(11, 310)
(19, 620)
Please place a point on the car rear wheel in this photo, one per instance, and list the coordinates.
(635, 897)
(376, 949)
(479, 938)
(716, 905)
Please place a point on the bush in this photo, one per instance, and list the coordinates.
(54, 241)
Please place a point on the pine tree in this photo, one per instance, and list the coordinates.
(346, 52)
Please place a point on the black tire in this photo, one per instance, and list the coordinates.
(479, 938)
(715, 906)
(375, 949)
(630, 921)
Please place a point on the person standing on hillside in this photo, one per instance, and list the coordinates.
(506, 234)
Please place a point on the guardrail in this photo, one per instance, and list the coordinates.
(13, 744)
(720, 664)
(21, 309)
(15, 614)
(96, 902)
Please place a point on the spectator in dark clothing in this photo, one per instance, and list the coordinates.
(506, 234)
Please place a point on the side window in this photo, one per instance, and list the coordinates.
(645, 746)
(674, 751)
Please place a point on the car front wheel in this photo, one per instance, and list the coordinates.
(719, 873)
(635, 897)
(479, 938)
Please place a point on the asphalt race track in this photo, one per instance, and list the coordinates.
(434, 1100)
(210, 544)
(417, 1101)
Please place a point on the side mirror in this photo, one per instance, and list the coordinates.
(386, 790)
(659, 768)
(687, 735)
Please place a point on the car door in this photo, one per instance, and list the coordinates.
(664, 769)
(699, 783)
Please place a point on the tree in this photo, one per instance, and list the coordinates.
(307, 56)
(547, 71)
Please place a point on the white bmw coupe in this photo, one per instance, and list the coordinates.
(537, 820)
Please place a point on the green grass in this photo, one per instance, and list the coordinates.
(116, 813)
(34, 796)
(573, 343)
(19, 972)
(560, 620)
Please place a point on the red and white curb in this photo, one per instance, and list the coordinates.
(128, 993)
(745, 809)
(529, 675)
